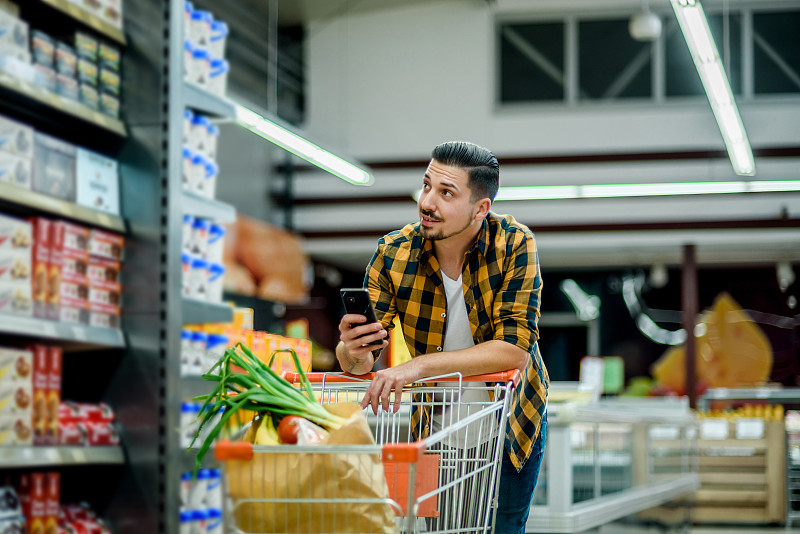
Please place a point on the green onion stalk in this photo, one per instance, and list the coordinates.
(259, 389)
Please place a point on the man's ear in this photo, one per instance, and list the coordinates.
(482, 208)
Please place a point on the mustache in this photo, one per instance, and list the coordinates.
(429, 215)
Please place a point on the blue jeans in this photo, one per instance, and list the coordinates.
(516, 489)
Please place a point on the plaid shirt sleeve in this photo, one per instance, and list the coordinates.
(381, 290)
(516, 307)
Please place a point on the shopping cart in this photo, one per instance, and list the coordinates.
(446, 482)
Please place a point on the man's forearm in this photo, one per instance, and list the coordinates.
(488, 357)
(353, 365)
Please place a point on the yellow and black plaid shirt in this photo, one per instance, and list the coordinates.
(502, 289)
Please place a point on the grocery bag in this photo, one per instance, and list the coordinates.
(333, 479)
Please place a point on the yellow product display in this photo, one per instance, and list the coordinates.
(731, 351)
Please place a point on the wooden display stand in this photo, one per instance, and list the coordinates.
(743, 479)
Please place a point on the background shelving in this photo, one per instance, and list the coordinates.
(23, 457)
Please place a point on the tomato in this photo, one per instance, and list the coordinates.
(288, 429)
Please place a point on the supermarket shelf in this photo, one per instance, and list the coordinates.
(86, 17)
(65, 105)
(207, 208)
(21, 456)
(32, 199)
(199, 312)
(201, 100)
(779, 395)
(43, 328)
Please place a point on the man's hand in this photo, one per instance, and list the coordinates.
(354, 352)
(388, 380)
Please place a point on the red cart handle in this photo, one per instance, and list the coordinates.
(503, 377)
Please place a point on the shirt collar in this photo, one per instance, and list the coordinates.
(426, 245)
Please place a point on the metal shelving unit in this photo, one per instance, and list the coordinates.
(62, 332)
(199, 312)
(38, 95)
(196, 98)
(19, 196)
(89, 19)
(23, 457)
(208, 208)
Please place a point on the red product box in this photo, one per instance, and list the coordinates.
(103, 270)
(76, 237)
(24, 493)
(38, 504)
(72, 433)
(101, 433)
(41, 384)
(106, 245)
(54, 270)
(55, 357)
(41, 265)
(106, 293)
(103, 315)
(74, 311)
(52, 501)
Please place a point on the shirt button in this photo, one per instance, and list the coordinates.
(439, 349)
(444, 315)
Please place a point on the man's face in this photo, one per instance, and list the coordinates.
(445, 208)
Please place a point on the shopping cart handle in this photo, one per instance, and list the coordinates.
(503, 377)
(233, 450)
(403, 452)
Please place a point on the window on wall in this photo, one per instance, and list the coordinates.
(680, 73)
(532, 62)
(776, 52)
(611, 64)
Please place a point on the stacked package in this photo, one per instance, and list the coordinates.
(203, 270)
(16, 152)
(16, 244)
(204, 50)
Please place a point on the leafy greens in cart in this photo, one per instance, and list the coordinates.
(258, 389)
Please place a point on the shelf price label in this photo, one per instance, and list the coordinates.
(714, 429)
(750, 428)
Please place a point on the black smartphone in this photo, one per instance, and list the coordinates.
(356, 301)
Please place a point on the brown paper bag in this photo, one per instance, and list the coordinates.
(337, 477)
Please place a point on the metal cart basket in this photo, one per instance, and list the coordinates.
(445, 482)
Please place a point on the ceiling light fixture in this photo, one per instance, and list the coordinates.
(301, 147)
(694, 25)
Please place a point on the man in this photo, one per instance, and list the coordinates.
(492, 322)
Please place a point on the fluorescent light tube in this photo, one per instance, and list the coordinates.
(297, 145)
(694, 25)
(542, 192)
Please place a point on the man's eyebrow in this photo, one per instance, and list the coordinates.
(450, 185)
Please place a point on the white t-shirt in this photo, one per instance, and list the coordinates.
(458, 335)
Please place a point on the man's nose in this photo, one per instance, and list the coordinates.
(426, 202)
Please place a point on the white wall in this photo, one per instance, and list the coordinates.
(390, 84)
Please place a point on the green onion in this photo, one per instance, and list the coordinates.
(259, 389)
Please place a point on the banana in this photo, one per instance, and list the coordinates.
(265, 432)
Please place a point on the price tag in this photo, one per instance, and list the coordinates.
(79, 333)
(49, 329)
(714, 429)
(749, 428)
(78, 455)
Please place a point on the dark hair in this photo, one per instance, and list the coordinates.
(481, 166)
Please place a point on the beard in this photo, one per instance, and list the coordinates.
(439, 234)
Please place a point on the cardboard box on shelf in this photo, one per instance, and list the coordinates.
(15, 266)
(103, 270)
(52, 501)
(15, 298)
(15, 169)
(103, 315)
(55, 368)
(15, 429)
(73, 311)
(54, 167)
(14, 233)
(106, 293)
(106, 245)
(41, 265)
(16, 137)
(38, 503)
(41, 378)
(98, 181)
(75, 237)
(16, 365)
(13, 33)
(16, 397)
